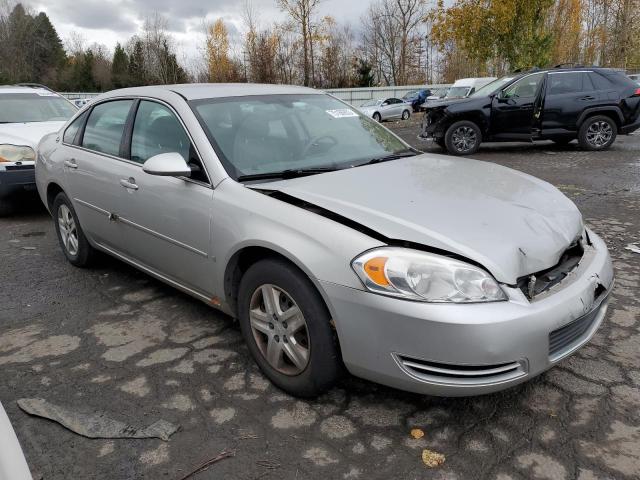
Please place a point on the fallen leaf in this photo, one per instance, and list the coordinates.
(632, 247)
(417, 433)
(432, 459)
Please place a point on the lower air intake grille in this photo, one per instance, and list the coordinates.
(564, 338)
(461, 374)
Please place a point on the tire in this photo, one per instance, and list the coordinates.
(406, 114)
(463, 138)
(78, 251)
(260, 329)
(597, 133)
(377, 117)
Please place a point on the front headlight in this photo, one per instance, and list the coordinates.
(16, 153)
(416, 275)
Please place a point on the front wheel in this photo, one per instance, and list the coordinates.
(72, 240)
(377, 117)
(597, 133)
(287, 328)
(463, 138)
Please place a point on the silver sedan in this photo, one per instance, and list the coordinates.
(386, 109)
(333, 242)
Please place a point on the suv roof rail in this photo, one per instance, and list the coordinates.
(33, 85)
(569, 65)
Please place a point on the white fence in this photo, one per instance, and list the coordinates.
(355, 96)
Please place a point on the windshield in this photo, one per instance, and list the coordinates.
(492, 87)
(34, 107)
(457, 92)
(273, 133)
(371, 103)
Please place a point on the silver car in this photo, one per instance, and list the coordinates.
(386, 109)
(333, 242)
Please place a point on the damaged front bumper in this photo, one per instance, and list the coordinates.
(471, 349)
(433, 124)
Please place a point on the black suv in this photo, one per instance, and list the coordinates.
(559, 104)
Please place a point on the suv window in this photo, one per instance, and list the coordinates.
(157, 130)
(600, 82)
(105, 126)
(569, 82)
(72, 130)
(526, 87)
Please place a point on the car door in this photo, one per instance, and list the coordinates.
(395, 107)
(167, 219)
(92, 151)
(568, 94)
(513, 110)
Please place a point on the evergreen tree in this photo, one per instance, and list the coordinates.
(120, 68)
(136, 65)
(49, 54)
(365, 76)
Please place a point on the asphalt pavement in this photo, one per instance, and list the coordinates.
(113, 340)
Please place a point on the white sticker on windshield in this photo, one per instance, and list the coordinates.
(342, 113)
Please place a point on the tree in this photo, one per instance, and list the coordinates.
(301, 12)
(136, 71)
(364, 77)
(220, 65)
(120, 68)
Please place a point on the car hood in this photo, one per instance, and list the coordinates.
(28, 134)
(510, 222)
(446, 102)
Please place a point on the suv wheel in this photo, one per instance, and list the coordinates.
(70, 235)
(287, 328)
(463, 138)
(406, 114)
(597, 133)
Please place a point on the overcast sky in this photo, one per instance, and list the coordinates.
(111, 21)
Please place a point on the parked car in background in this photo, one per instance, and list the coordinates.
(590, 104)
(635, 77)
(437, 93)
(416, 98)
(81, 102)
(13, 465)
(386, 109)
(331, 240)
(27, 113)
(467, 86)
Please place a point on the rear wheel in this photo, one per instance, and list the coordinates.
(463, 138)
(70, 235)
(406, 114)
(377, 117)
(597, 133)
(287, 328)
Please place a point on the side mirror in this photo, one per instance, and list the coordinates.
(167, 165)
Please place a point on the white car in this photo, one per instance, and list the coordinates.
(13, 465)
(26, 115)
(386, 109)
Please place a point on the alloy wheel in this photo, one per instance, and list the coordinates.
(279, 329)
(599, 133)
(464, 138)
(68, 230)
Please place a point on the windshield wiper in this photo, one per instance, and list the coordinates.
(409, 152)
(285, 174)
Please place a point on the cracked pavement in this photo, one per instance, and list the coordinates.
(115, 340)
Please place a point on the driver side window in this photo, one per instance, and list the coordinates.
(526, 87)
(157, 130)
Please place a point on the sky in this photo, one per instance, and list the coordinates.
(112, 21)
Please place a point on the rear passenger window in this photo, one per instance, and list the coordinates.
(72, 130)
(570, 82)
(599, 81)
(105, 126)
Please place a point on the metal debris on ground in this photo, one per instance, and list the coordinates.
(417, 433)
(205, 465)
(632, 247)
(95, 424)
(432, 459)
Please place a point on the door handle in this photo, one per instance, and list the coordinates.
(587, 98)
(71, 163)
(129, 183)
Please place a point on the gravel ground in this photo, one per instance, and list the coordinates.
(113, 339)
